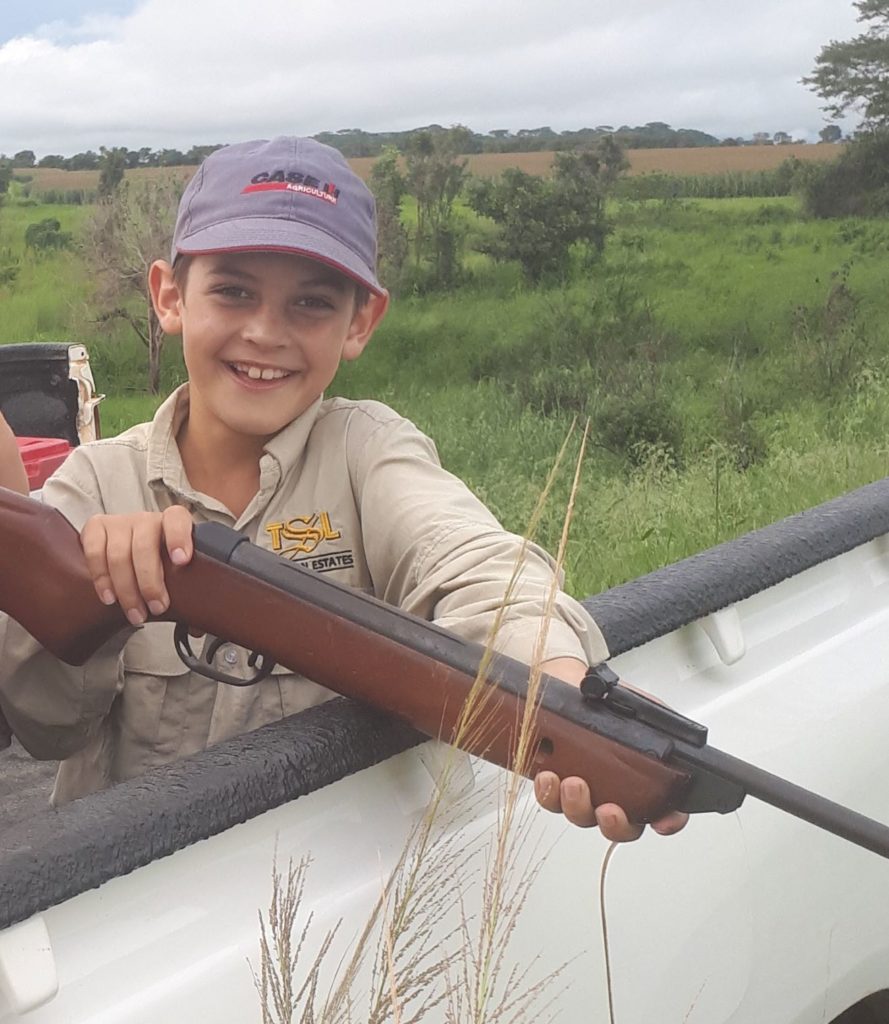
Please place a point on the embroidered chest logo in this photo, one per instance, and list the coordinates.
(299, 538)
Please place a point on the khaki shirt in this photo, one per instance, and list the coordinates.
(349, 488)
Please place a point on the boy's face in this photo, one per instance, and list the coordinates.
(262, 333)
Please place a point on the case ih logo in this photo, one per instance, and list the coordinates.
(292, 181)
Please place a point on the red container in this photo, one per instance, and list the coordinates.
(42, 456)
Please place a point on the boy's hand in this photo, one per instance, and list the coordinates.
(123, 555)
(571, 796)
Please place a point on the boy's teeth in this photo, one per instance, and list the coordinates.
(255, 373)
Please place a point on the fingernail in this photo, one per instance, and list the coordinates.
(542, 787)
(157, 607)
(178, 556)
(107, 597)
(572, 789)
(135, 616)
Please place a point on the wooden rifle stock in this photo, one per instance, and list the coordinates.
(631, 751)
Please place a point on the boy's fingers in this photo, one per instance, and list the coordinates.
(546, 789)
(119, 552)
(146, 560)
(93, 540)
(177, 531)
(670, 824)
(577, 805)
(571, 797)
(614, 824)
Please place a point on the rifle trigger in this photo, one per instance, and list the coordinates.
(205, 665)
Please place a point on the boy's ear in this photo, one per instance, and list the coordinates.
(165, 297)
(364, 323)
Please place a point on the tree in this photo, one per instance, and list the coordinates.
(830, 133)
(435, 177)
(540, 219)
(389, 186)
(112, 164)
(854, 74)
(130, 229)
(88, 161)
(24, 158)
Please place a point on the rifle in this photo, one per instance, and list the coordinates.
(630, 750)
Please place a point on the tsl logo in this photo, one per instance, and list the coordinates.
(301, 534)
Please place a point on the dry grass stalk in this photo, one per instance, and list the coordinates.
(279, 960)
(477, 1000)
(412, 968)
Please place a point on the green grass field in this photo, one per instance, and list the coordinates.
(731, 355)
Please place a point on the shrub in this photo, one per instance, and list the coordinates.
(552, 389)
(856, 184)
(47, 235)
(631, 425)
(831, 341)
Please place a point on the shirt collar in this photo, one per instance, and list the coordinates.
(281, 455)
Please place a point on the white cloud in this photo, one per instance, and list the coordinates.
(178, 72)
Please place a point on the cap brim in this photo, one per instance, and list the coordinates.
(267, 234)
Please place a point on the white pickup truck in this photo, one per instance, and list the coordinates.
(141, 904)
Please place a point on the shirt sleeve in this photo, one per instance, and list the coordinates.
(435, 550)
(52, 708)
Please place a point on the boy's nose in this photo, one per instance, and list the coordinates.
(265, 327)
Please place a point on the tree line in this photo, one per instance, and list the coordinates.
(355, 142)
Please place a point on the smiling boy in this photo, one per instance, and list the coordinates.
(271, 284)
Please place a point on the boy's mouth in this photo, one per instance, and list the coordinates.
(264, 373)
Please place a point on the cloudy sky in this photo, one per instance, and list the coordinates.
(77, 74)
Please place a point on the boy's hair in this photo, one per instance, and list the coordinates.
(286, 194)
(182, 263)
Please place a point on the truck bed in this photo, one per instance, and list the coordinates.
(141, 904)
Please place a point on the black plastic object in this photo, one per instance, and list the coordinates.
(36, 396)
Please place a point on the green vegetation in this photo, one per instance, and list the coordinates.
(731, 355)
(783, 180)
(851, 75)
(541, 219)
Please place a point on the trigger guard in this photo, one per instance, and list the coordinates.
(205, 666)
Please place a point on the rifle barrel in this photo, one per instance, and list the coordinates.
(788, 796)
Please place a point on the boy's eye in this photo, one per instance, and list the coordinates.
(232, 291)
(315, 302)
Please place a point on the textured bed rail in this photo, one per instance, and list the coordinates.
(64, 852)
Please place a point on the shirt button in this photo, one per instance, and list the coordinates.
(231, 656)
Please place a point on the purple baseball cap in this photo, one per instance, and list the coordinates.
(281, 195)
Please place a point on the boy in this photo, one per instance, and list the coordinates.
(271, 283)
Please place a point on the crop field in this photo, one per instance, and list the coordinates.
(703, 160)
(698, 160)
